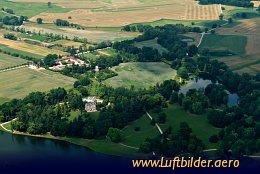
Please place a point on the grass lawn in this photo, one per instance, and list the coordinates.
(8, 126)
(140, 74)
(10, 61)
(233, 43)
(105, 146)
(198, 123)
(135, 138)
(33, 36)
(151, 43)
(75, 114)
(18, 83)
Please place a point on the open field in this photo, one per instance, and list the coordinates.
(195, 36)
(151, 43)
(133, 11)
(31, 9)
(91, 34)
(25, 47)
(198, 123)
(248, 62)
(135, 138)
(67, 43)
(18, 83)
(225, 42)
(140, 74)
(10, 61)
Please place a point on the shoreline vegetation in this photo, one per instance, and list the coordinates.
(103, 146)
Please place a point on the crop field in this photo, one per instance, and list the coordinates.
(34, 49)
(225, 42)
(121, 12)
(140, 75)
(10, 61)
(91, 34)
(18, 83)
(67, 43)
(249, 61)
(198, 123)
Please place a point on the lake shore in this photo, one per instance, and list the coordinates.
(101, 146)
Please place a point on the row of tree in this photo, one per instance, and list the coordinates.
(239, 3)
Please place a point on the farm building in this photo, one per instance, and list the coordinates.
(68, 61)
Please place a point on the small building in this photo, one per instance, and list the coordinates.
(90, 107)
(90, 103)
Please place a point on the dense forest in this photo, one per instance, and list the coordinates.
(39, 113)
(239, 3)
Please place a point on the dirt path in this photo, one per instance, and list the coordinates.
(14, 68)
(2, 125)
(157, 126)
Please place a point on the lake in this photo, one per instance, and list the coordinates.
(21, 154)
(197, 83)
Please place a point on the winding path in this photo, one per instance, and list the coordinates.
(2, 124)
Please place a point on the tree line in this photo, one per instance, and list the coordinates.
(239, 3)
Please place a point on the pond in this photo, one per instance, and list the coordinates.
(197, 83)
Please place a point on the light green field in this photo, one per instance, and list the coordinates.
(135, 138)
(10, 61)
(141, 74)
(234, 43)
(93, 35)
(31, 9)
(18, 83)
(151, 43)
(198, 123)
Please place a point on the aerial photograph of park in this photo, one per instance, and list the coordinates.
(129, 86)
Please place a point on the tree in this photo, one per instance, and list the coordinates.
(114, 134)
(230, 20)
(213, 138)
(174, 97)
(192, 50)
(50, 59)
(197, 108)
(49, 4)
(221, 16)
(212, 31)
(183, 73)
(39, 20)
(10, 36)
